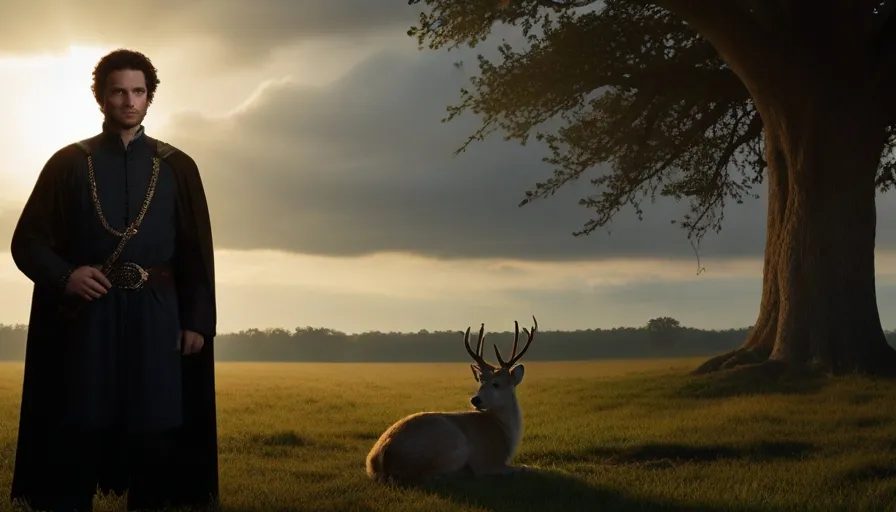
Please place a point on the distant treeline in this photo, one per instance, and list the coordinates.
(328, 345)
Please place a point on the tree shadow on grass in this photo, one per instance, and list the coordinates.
(671, 454)
(870, 473)
(758, 379)
(544, 491)
(354, 508)
(337, 507)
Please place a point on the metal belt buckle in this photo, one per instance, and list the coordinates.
(130, 276)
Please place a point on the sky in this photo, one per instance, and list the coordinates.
(335, 196)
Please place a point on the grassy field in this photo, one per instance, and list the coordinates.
(617, 435)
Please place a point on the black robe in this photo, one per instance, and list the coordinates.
(70, 360)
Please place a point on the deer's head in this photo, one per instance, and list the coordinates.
(497, 384)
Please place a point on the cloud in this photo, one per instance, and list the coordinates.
(9, 216)
(243, 30)
(364, 165)
(415, 277)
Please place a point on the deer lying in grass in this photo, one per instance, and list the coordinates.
(433, 444)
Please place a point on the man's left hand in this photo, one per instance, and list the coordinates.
(191, 342)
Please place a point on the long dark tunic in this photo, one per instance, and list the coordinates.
(116, 362)
(122, 358)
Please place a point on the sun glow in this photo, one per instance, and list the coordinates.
(50, 104)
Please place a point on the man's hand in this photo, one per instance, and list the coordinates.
(87, 282)
(190, 342)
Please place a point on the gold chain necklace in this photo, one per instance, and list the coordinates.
(132, 229)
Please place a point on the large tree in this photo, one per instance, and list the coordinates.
(705, 99)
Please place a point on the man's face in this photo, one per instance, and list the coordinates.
(125, 101)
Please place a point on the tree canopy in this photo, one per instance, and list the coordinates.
(663, 323)
(627, 93)
(703, 100)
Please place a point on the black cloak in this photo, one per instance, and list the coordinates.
(44, 225)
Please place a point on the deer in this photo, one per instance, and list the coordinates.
(481, 441)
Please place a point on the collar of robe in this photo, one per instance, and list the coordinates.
(112, 139)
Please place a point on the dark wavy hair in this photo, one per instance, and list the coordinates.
(123, 59)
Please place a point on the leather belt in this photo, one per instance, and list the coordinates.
(131, 276)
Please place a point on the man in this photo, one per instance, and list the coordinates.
(119, 367)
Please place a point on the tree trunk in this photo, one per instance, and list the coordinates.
(819, 304)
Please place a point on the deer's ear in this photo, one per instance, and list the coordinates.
(516, 374)
(475, 375)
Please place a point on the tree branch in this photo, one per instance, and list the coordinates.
(561, 5)
(525, 90)
(886, 173)
(646, 99)
(754, 129)
(734, 32)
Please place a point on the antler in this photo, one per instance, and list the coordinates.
(514, 357)
(477, 356)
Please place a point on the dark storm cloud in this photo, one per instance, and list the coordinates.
(365, 165)
(247, 29)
